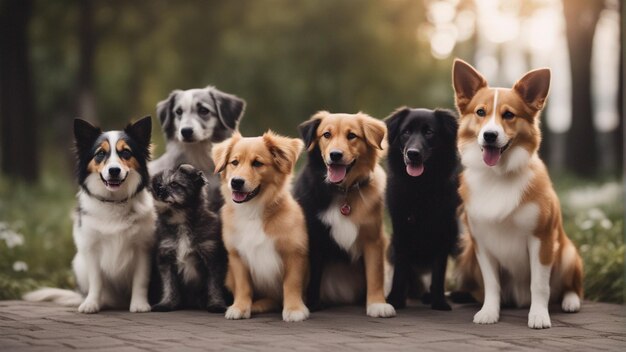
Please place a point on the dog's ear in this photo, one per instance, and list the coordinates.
(448, 122)
(374, 130)
(308, 129)
(229, 108)
(534, 87)
(196, 175)
(140, 131)
(85, 134)
(394, 121)
(221, 152)
(466, 82)
(284, 150)
(165, 112)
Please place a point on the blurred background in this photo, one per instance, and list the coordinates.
(110, 61)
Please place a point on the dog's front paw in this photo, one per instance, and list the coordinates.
(539, 319)
(300, 314)
(571, 302)
(487, 316)
(139, 307)
(440, 305)
(381, 310)
(89, 307)
(235, 313)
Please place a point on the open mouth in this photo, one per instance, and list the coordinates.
(242, 197)
(337, 172)
(414, 169)
(491, 154)
(112, 184)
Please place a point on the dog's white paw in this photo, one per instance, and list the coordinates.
(290, 315)
(89, 307)
(381, 310)
(235, 313)
(487, 316)
(571, 302)
(539, 319)
(139, 307)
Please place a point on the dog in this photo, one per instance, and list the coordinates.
(114, 222)
(192, 121)
(422, 198)
(263, 227)
(191, 257)
(341, 190)
(515, 248)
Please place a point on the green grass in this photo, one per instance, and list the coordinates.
(41, 215)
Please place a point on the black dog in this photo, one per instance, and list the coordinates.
(191, 257)
(422, 198)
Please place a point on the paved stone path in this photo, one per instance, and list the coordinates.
(46, 327)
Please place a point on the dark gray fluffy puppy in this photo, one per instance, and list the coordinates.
(191, 257)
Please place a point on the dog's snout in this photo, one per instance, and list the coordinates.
(414, 154)
(115, 171)
(490, 136)
(237, 183)
(336, 155)
(187, 132)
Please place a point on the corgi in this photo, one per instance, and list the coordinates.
(341, 190)
(263, 227)
(114, 222)
(515, 249)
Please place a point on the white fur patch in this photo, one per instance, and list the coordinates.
(571, 302)
(295, 315)
(381, 310)
(342, 229)
(186, 262)
(257, 249)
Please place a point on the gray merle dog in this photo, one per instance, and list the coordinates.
(191, 257)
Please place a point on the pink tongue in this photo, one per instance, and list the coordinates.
(491, 155)
(336, 173)
(239, 196)
(415, 170)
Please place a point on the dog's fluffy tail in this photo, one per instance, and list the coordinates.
(57, 295)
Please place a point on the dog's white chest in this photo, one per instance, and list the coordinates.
(342, 229)
(186, 262)
(258, 251)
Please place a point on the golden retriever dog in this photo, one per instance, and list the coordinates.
(341, 190)
(264, 228)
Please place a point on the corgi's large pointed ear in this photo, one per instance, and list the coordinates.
(221, 152)
(374, 131)
(85, 133)
(534, 87)
(394, 121)
(165, 112)
(466, 82)
(140, 131)
(284, 150)
(308, 129)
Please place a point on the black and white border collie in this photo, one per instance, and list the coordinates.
(114, 222)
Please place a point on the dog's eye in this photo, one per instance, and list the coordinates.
(179, 111)
(202, 110)
(428, 131)
(351, 135)
(176, 185)
(257, 163)
(326, 135)
(235, 162)
(125, 154)
(508, 115)
(406, 131)
(481, 112)
(100, 155)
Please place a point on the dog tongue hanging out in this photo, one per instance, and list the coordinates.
(512, 215)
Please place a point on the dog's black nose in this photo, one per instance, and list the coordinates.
(237, 183)
(186, 133)
(114, 171)
(490, 136)
(336, 155)
(414, 155)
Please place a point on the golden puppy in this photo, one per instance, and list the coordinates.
(341, 191)
(263, 227)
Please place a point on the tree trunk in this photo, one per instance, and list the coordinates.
(20, 142)
(619, 131)
(581, 17)
(86, 108)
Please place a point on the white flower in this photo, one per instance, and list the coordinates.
(588, 197)
(20, 266)
(12, 238)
